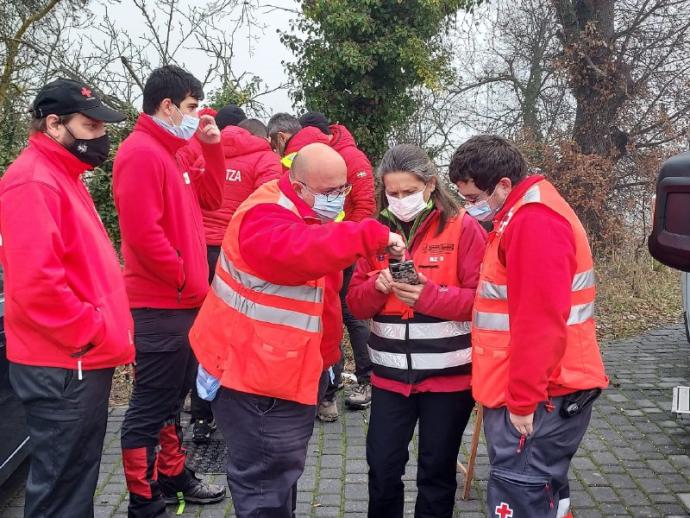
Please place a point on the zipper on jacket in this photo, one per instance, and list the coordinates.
(81, 352)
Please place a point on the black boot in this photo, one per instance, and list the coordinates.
(189, 487)
(140, 507)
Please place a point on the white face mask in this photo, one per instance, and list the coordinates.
(407, 208)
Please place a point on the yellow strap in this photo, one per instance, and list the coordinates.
(287, 160)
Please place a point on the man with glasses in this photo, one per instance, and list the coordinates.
(272, 321)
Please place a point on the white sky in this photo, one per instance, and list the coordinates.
(262, 58)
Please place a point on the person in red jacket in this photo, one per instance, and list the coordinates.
(420, 336)
(537, 367)
(249, 163)
(272, 320)
(67, 320)
(158, 197)
(359, 205)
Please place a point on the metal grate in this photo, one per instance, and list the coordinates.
(681, 400)
(207, 459)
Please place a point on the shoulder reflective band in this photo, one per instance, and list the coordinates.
(264, 313)
(501, 322)
(430, 331)
(422, 361)
(285, 202)
(300, 293)
(532, 195)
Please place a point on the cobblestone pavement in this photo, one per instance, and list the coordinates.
(634, 460)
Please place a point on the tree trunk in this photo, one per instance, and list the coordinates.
(598, 80)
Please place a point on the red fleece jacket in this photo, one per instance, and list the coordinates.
(284, 248)
(249, 163)
(158, 196)
(447, 302)
(361, 202)
(65, 298)
(538, 249)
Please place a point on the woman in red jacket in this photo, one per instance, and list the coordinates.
(420, 341)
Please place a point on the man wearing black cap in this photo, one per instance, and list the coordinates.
(67, 319)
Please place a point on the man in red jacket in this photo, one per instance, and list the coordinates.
(66, 314)
(282, 250)
(249, 163)
(359, 205)
(536, 364)
(158, 197)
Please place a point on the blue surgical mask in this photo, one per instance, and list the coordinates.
(328, 210)
(185, 130)
(481, 211)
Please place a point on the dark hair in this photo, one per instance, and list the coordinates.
(230, 115)
(485, 159)
(408, 158)
(255, 127)
(40, 125)
(283, 123)
(170, 82)
(316, 120)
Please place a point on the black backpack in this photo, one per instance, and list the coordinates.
(669, 242)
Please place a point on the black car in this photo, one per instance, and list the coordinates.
(14, 439)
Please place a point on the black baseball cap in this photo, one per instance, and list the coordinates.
(231, 115)
(317, 120)
(65, 96)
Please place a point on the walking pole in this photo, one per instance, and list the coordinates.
(469, 471)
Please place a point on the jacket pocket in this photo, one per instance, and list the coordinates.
(529, 495)
(277, 359)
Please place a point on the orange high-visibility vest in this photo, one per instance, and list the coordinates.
(256, 336)
(581, 366)
(408, 346)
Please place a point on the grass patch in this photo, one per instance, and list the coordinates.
(635, 294)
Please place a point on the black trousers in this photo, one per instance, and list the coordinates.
(267, 441)
(442, 418)
(201, 409)
(151, 434)
(358, 330)
(66, 418)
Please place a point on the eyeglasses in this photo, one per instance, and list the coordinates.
(473, 199)
(333, 194)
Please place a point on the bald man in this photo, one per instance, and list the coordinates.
(272, 323)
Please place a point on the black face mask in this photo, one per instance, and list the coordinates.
(91, 151)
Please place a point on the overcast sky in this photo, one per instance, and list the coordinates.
(262, 58)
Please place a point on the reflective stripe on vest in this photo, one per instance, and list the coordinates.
(489, 290)
(300, 293)
(261, 312)
(501, 322)
(424, 331)
(422, 361)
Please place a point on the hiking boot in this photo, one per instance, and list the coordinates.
(328, 411)
(360, 397)
(202, 431)
(188, 487)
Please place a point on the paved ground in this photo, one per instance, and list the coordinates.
(634, 460)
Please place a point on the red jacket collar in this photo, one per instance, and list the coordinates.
(304, 137)
(518, 192)
(305, 211)
(169, 141)
(58, 155)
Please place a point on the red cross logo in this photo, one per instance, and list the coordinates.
(86, 92)
(504, 510)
